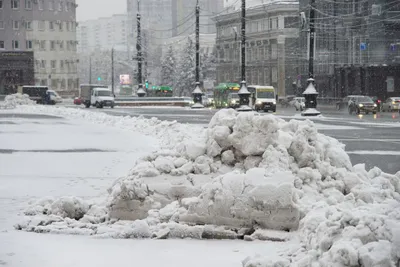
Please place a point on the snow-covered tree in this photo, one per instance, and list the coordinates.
(186, 70)
(209, 65)
(168, 67)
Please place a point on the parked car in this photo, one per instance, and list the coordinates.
(77, 101)
(362, 104)
(299, 103)
(391, 104)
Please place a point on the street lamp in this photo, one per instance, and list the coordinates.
(310, 94)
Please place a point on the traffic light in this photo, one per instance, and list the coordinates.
(99, 79)
(147, 84)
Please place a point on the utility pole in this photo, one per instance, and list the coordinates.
(335, 85)
(140, 92)
(90, 69)
(112, 70)
(197, 93)
(244, 94)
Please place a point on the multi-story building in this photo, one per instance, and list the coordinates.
(357, 47)
(271, 49)
(103, 34)
(48, 28)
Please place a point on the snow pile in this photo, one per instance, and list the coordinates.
(246, 173)
(12, 101)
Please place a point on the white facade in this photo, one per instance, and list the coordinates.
(207, 43)
(55, 54)
(103, 34)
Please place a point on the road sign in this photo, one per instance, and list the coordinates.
(363, 46)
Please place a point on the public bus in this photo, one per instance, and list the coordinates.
(159, 91)
(221, 93)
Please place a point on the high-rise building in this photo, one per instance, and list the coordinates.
(48, 28)
(103, 34)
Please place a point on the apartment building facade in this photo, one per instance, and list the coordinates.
(357, 47)
(271, 49)
(48, 28)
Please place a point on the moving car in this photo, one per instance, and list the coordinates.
(299, 103)
(344, 103)
(233, 100)
(264, 97)
(54, 97)
(362, 104)
(391, 104)
(96, 95)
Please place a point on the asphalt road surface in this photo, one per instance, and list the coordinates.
(370, 139)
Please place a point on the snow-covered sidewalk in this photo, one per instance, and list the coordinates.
(48, 156)
(242, 175)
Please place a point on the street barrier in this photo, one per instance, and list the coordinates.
(153, 101)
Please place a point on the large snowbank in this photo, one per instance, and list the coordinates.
(247, 172)
(12, 101)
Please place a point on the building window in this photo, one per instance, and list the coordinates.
(60, 6)
(274, 51)
(60, 24)
(51, 5)
(15, 24)
(41, 25)
(1, 4)
(28, 4)
(28, 44)
(28, 25)
(68, 45)
(67, 25)
(63, 84)
(14, 4)
(2, 45)
(43, 82)
(62, 65)
(1, 24)
(40, 4)
(53, 64)
(52, 45)
(15, 44)
(43, 64)
(62, 45)
(54, 83)
(51, 25)
(43, 45)
(67, 6)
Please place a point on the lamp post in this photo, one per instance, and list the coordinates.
(244, 94)
(140, 91)
(311, 93)
(197, 93)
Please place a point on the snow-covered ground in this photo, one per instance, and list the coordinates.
(242, 175)
(43, 156)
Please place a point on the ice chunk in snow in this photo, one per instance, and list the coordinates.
(267, 261)
(164, 164)
(145, 169)
(376, 254)
(192, 149)
(70, 207)
(224, 117)
(228, 157)
(241, 199)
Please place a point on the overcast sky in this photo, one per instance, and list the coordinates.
(93, 9)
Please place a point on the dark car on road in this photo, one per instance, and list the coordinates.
(361, 104)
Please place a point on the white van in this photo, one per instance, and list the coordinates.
(263, 97)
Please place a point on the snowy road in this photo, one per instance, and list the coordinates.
(51, 156)
(370, 139)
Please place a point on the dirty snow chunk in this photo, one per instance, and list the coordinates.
(179, 162)
(185, 169)
(69, 207)
(202, 165)
(376, 254)
(238, 199)
(220, 135)
(192, 149)
(145, 169)
(164, 164)
(12, 101)
(41, 206)
(213, 149)
(252, 162)
(228, 157)
(224, 117)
